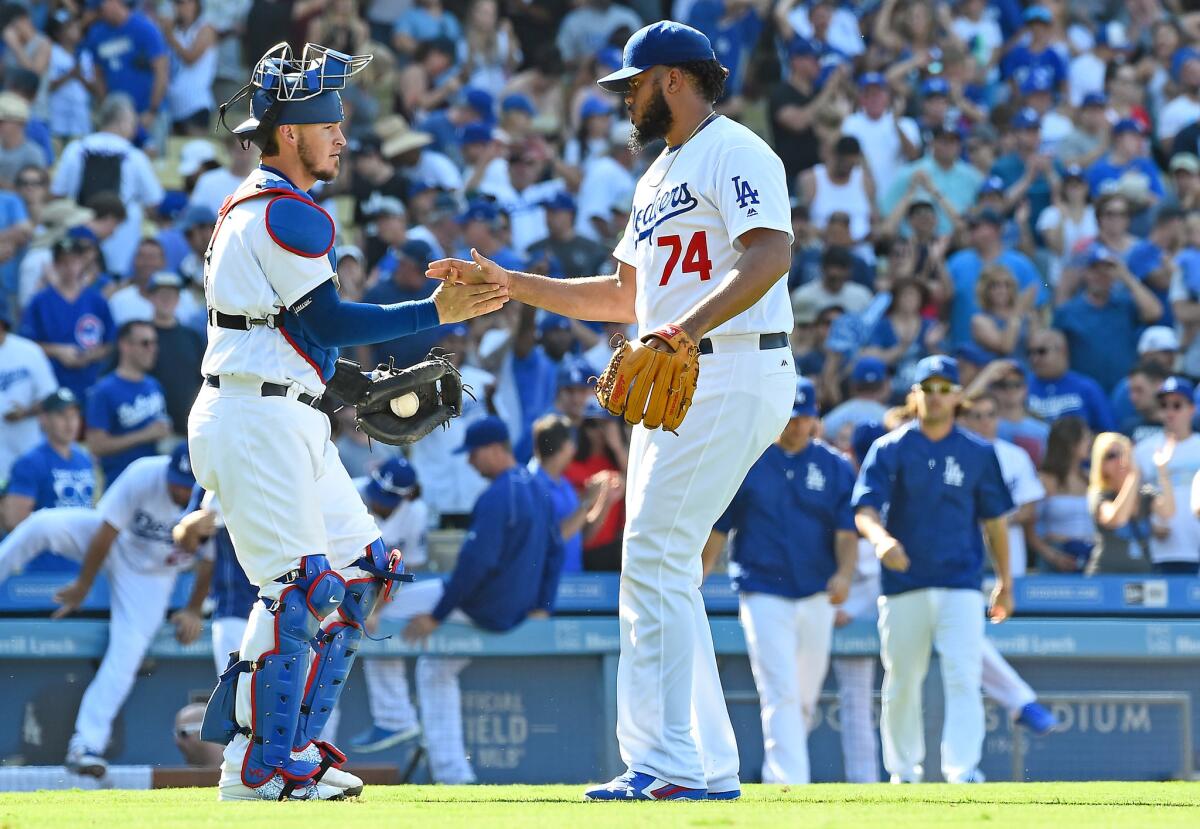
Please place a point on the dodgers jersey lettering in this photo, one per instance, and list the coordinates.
(250, 273)
(139, 506)
(689, 209)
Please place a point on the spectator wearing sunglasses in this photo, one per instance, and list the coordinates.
(1122, 503)
(1175, 544)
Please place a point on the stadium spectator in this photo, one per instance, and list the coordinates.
(132, 300)
(834, 287)
(870, 391)
(126, 410)
(1067, 221)
(941, 174)
(579, 515)
(966, 266)
(56, 472)
(1101, 326)
(607, 182)
(1055, 391)
(424, 21)
(1037, 54)
(844, 186)
(1158, 345)
(180, 349)
(71, 78)
(592, 25)
(1175, 543)
(192, 40)
(212, 186)
(196, 224)
(25, 381)
(1020, 475)
(106, 161)
(1122, 506)
(888, 141)
(402, 278)
(130, 56)
(903, 337)
(601, 449)
(492, 51)
(794, 103)
(16, 150)
(1143, 416)
(1005, 317)
(1086, 72)
(70, 319)
(1062, 537)
(563, 252)
(1126, 169)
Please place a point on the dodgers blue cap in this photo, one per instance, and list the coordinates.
(1026, 119)
(417, 251)
(554, 322)
(658, 44)
(479, 100)
(480, 211)
(871, 79)
(863, 436)
(806, 399)
(1128, 125)
(935, 86)
(868, 370)
(595, 106)
(993, 184)
(937, 365)
(476, 133)
(179, 468)
(1098, 254)
(1095, 99)
(59, 399)
(560, 201)
(1177, 385)
(197, 215)
(609, 56)
(573, 373)
(323, 108)
(802, 47)
(517, 102)
(484, 432)
(1038, 14)
(391, 482)
(454, 329)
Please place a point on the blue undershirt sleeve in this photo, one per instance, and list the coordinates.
(333, 323)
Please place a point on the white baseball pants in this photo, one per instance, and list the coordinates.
(227, 633)
(1002, 683)
(672, 721)
(910, 623)
(438, 689)
(856, 717)
(788, 642)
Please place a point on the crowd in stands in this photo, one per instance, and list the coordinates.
(1015, 185)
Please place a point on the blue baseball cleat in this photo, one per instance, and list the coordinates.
(1038, 719)
(378, 739)
(636, 785)
(732, 794)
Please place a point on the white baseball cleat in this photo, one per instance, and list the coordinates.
(274, 787)
(350, 784)
(84, 761)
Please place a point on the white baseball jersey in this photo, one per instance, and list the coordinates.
(25, 378)
(250, 274)
(139, 506)
(689, 209)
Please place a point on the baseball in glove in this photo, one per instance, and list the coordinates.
(649, 386)
(399, 406)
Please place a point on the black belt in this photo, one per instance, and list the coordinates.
(237, 322)
(270, 390)
(766, 342)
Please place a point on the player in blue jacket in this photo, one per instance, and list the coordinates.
(793, 552)
(939, 483)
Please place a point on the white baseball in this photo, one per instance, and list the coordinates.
(405, 405)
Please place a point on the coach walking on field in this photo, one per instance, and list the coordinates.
(940, 482)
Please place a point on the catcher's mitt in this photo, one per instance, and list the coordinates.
(648, 386)
(434, 382)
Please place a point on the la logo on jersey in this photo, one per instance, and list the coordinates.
(953, 475)
(815, 480)
(745, 195)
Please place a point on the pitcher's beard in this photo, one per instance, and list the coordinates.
(655, 123)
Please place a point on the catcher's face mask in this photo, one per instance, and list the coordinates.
(287, 90)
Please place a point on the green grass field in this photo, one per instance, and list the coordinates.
(1020, 806)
